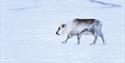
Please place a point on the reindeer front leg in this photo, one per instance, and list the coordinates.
(68, 37)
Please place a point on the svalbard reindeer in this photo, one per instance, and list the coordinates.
(81, 26)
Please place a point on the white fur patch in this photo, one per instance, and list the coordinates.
(73, 27)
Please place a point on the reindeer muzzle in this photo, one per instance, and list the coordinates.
(57, 33)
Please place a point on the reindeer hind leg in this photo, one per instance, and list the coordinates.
(102, 37)
(78, 37)
(95, 34)
(95, 39)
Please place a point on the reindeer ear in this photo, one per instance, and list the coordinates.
(76, 19)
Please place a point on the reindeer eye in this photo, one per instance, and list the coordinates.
(59, 28)
(63, 25)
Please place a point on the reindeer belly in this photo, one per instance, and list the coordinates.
(79, 29)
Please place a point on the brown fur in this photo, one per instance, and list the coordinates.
(86, 21)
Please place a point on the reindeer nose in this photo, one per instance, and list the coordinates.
(57, 33)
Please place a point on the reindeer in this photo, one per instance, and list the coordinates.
(80, 26)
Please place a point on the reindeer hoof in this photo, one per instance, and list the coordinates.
(104, 44)
(77, 44)
(64, 42)
(91, 43)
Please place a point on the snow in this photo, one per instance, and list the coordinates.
(28, 29)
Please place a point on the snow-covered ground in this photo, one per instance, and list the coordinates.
(27, 32)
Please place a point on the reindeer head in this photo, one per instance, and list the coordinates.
(60, 28)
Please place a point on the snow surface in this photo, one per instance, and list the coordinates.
(28, 29)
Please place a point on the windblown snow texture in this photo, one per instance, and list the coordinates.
(105, 3)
